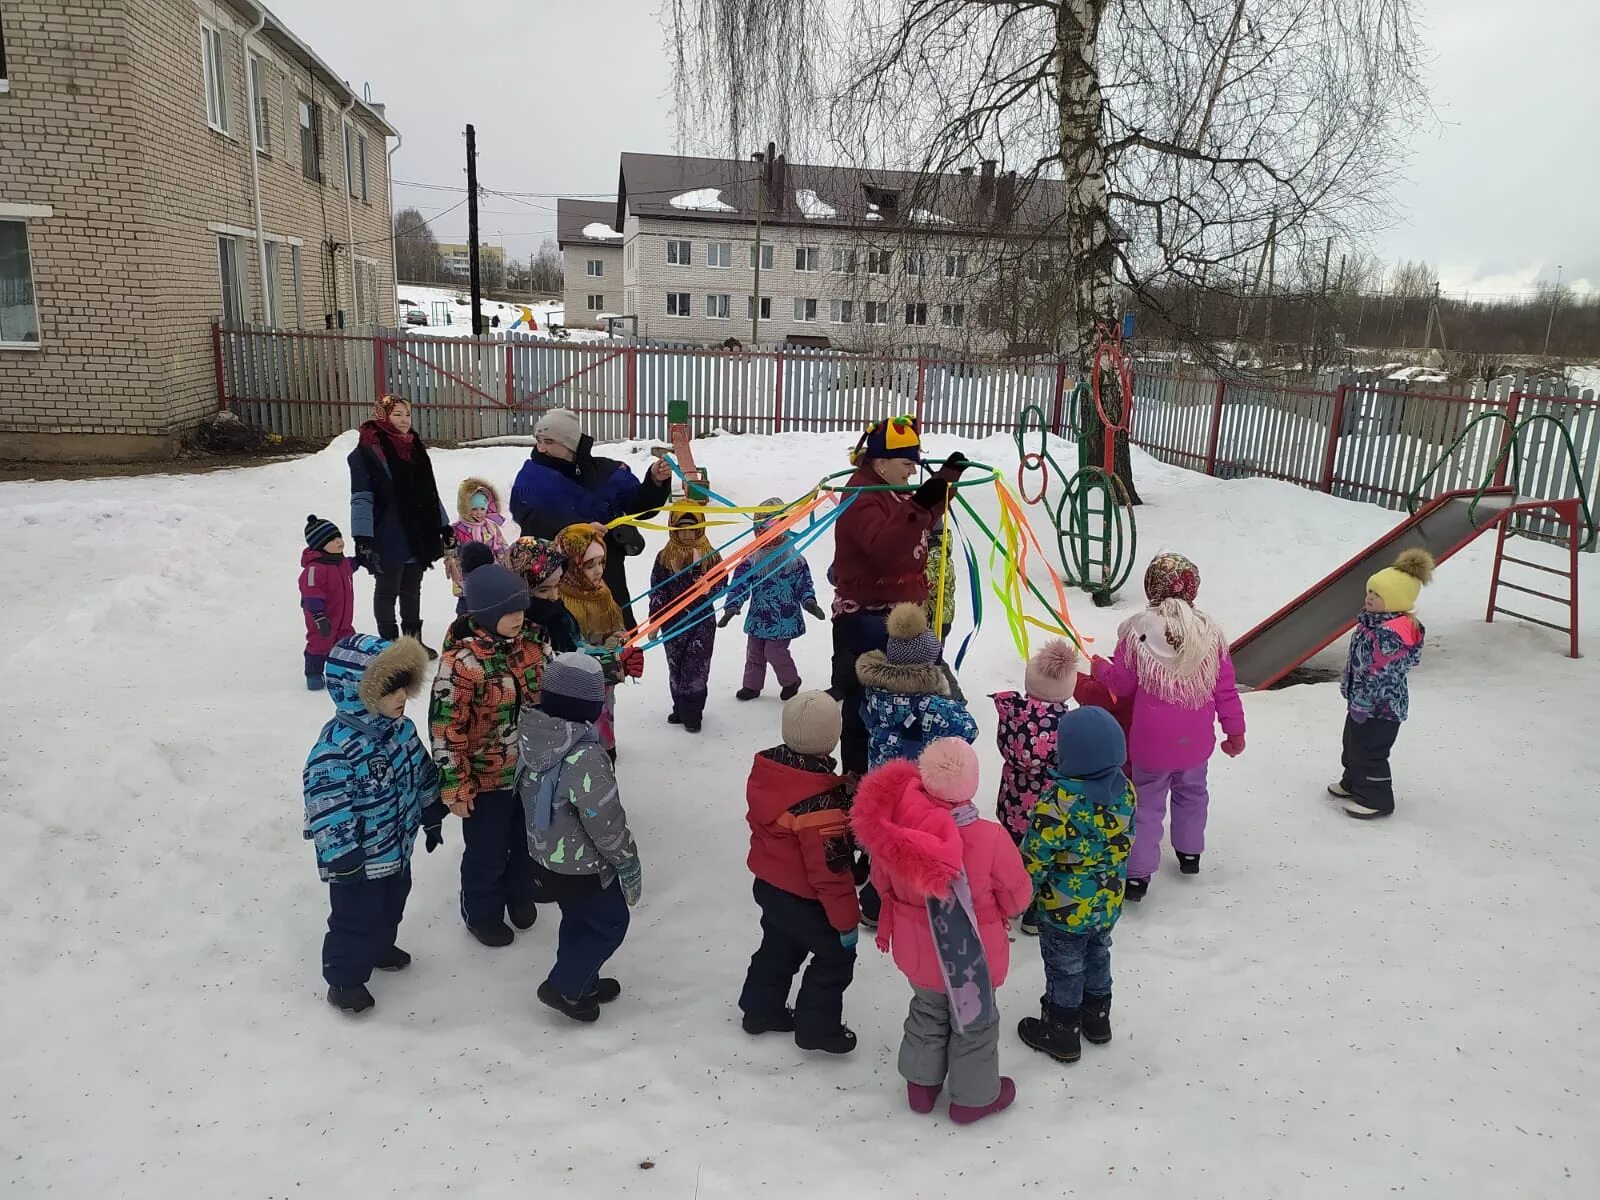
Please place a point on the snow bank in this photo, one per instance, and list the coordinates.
(702, 200)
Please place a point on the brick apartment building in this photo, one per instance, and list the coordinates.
(166, 164)
(968, 261)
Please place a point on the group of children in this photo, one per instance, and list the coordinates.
(522, 747)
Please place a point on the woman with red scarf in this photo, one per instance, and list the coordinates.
(396, 517)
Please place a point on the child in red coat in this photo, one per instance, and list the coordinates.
(801, 855)
(327, 595)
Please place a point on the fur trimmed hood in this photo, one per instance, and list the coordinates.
(464, 499)
(874, 670)
(400, 664)
(909, 833)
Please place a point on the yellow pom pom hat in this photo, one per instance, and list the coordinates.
(1398, 586)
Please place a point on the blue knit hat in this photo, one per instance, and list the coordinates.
(492, 592)
(1089, 742)
(320, 531)
(573, 688)
(910, 642)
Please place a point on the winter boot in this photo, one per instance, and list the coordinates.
(1364, 812)
(315, 683)
(415, 631)
(1338, 790)
(781, 1021)
(1136, 889)
(673, 718)
(923, 1096)
(1054, 1032)
(1030, 921)
(1188, 864)
(790, 692)
(604, 991)
(350, 1000)
(966, 1114)
(691, 724)
(584, 1009)
(496, 935)
(523, 915)
(393, 959)
(835, 1041)
(747, 693)
(1095, 1016)
(389, 631)
(871, 906)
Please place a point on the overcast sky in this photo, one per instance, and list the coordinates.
(1505, 190)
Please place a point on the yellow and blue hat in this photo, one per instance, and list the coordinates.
(896, 437)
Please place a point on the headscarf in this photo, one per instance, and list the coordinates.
(1177, 651)
(1171, 577)
(592, 606)
(675, 556)
(383, 418)
(535, 560)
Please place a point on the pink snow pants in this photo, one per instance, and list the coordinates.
(1190, 799)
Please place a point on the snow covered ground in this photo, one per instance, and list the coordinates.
(1332, 1009)
(437, 302)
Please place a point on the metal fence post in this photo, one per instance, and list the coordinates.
(777, 392)
(1335, 427)
(630, 384)
(922, 380)
(379, 370)
(216, 353)
(1509, 435)
(511, 391)
(1215, 435)
(1061, 396)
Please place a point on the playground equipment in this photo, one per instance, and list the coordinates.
(1443, 526)
(696, 484)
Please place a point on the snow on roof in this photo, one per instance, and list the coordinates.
(873, 214)
(813, 205)
(600, 232)
(702, 200)
(925, 217)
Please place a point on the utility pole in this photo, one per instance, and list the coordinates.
(761, 204)
(476, 277)
(1555, 299)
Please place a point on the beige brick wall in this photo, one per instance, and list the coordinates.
(107, 115)
(579, 285)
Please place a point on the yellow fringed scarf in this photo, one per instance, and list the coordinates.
(593, 608)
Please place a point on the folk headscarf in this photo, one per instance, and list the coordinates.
(1177, 651)
(676, 556)
(383, 418)
(591, 605)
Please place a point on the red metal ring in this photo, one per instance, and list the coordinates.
(1036, 465)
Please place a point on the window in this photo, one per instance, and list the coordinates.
(719, 307)
(1039, 269)
(5, 84)
(679, 254)
(955, 266)
(767, 249)
(361, 158)
(630, 302)
(678, 302)
(952, 316)
(807, 258)
(595, 301)
(271, 293)
(595, 268)
(628, 256)
(916, 263)
(299, 295)
(310, 140)
(355, 162)
(229, 265)
(719, 254)
(750, 308)
(19, 311)
(916, 314)
(844, 262)
(215, 64)
(841, 312)
(877, 312)
(258, 92)
(805, 310)
(366, 291)
(878, 262)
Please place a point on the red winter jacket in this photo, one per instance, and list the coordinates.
(1094, 693)
(799, 814)
(880, 546)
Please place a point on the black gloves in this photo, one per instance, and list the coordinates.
(324, 626)
(447, 535)
(815, 609)
(728, 614)
(934, 491)
(432, 837)
(367, 556)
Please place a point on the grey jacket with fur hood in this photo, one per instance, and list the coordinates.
(587, 831)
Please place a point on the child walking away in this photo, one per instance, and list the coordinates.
(1076, 850)
(577, 832)
(369, 786)
(801, 855)
(480, 521)
(950, 881)
(680, 567)
(600, 622)
(327, 594)
(907, 703)
(778, 597)
(1386, 644)
(490, 669)
(1172, 663)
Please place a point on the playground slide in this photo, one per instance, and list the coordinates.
(1326, 610)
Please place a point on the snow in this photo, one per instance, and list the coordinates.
(925, 217)
(702, 200)
(814, 206)
(457, 305)
(1418, 375)
(1585, 377)
(1331, 1009)
(599, 231)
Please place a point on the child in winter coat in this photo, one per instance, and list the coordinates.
(369, 786)
(1386, 644)
(1076, 850)
(680, 567)
(541, 567)
(327, 594)
(907, 702)
(490, 670)
(776, 581)
(801, 855)
(480, 521)
(600, 622)
(1172, 663)
(583, 853)
(950, 882)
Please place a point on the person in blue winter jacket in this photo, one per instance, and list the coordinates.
(776, 582)
(1386, 644)
(369, 786)
(907, 703)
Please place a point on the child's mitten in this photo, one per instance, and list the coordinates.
(849, 938)
(1233, 746)
(367, 556)
(631, 876)
(728, 614)
(815, 609)
(324, 626)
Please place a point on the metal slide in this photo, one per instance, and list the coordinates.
(1328, 609)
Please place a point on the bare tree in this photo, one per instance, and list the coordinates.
(545, 269)
(1178, 133)
(416, 250)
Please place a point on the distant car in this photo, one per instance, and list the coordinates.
(416, 316)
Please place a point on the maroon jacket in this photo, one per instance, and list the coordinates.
(880, 547)
(327, 588)
(799, 814)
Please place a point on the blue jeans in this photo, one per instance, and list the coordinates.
(1075, 964)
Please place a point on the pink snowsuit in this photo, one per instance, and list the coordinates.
(327, 589)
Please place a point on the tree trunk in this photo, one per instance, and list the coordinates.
(1088, 216)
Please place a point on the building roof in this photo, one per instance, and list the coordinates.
(976, 201)
(586, 223)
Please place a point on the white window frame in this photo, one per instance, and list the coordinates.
(361, 156)
(878, 309)
(307, 109)
(20, 214)
(955, 266)
(595, 301)
(680, 252)
(629, 255)
(916, 262)
(719, 306)
(841, 312)
(256, 81)
(235, 244)
(719, 256)
(271, 287)
(917, 314)
(845, 260)
(769, 256)
(805, 310)
(595, 268)
(214, 71)
(880, 262)
(299, 290)
(5, 83)
(807, 259)
(682, 302)
(750, 309)
(953, 316)
(349, 159)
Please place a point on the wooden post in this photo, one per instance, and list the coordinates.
(1061, 396)
(922, 379)
(216, 353)
(1215, 434)
(1335, 427)
(777, 393)
(630, 383)
(511, 392)
(379, 380)
(1513, 413)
